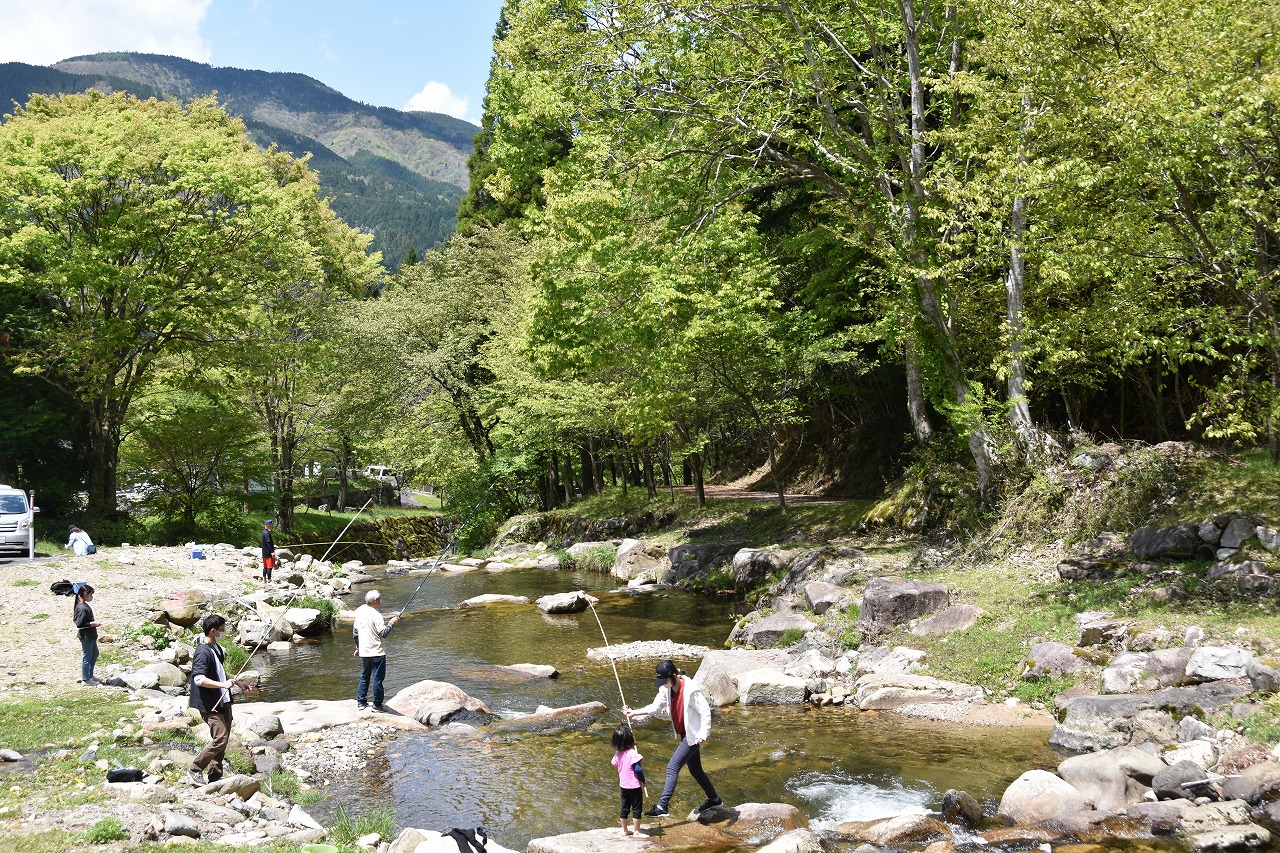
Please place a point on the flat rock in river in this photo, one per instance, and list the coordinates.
(309, 715)
(744, 827)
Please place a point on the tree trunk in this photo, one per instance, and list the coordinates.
(694, 464)
(104, 456)
(650, 485)
(587, 465)
(917, 406)
(553, 480)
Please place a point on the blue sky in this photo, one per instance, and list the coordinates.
(428, 55)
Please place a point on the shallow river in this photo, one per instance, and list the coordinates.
(833, 764)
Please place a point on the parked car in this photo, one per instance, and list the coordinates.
(381, 473)
(17, 523)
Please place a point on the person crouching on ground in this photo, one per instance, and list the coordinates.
(211, 696)
(691, 718)
(268, 550)
(79, 542)
(82, 615)
(369, 630)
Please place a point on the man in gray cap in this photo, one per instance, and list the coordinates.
(691, 719)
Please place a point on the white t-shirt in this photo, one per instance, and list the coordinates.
(369, 627)
(80, 543)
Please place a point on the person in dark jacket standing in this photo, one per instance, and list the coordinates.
(211, 696)
(82, 615)
(268, 550)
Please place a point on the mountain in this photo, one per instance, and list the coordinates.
(398, 175)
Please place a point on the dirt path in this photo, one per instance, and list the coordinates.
(39, 648)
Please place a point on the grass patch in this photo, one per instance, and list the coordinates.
(105, 831)
(328, 610)
(237, 655)
(597, 559)
(26, 582)
(159, 633)
(30, 724)
(52, 841)
(790, 637)
(347, 827)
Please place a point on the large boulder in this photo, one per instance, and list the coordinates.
(1091, 723)
(717, 674)
(753, 566)
(155, 675)
(181, 613)
(1098, 778)
(1053, 660)
(957, 617)
(1255, 785)
(1175, 782)
(765, 633)
(894, 831)
(748, 827)
(1169, 666)
(1040, 795)
(636, 558)
(255, 632)
(811, 664)
(1238, 531)
(1200, 700)
(884, 660)
(822, 596)
(434, 702)
(1215, 663)
(1264, 674)
(694, 558)
(564, 602)
(770, 687)
(889, 602)
(881, 692)
(1179, 542)
(1126, 673)
(305, 621)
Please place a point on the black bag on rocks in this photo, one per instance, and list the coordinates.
(125, 774)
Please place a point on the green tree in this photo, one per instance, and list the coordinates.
(144, 226)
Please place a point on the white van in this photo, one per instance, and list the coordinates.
(381, 473)
(17, 523)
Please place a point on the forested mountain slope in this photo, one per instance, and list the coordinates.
(398, 175)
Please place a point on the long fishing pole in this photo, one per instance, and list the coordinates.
(609, 654)
(344, 530)
(456, 532)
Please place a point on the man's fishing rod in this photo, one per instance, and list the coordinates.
(456, 532)
(344, 530)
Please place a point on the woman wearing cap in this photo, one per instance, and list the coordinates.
(268, 550)
(691, 718)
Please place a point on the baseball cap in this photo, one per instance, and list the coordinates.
(665, 670)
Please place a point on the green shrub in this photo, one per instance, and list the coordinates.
(105, 831)
(237, 656)
(598, 559)
(150, 629)
(283, 783)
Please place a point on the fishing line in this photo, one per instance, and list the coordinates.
(456, 532)
(344, 530)
(609, 653)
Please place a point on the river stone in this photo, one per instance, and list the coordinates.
(765, 633)
(564, 602)
(158, 674)
(770, 687)
(267, 727)
(889, 602)
(1092, 723)
(1209, 532)
(957, 617)
(732, 663)
(903, 829)
(960, 808)
(1189, 729)
(434, 702)
(1201, 699)
(533, 670)
(747, 826)
(795, 841)
(1137, 764)
(752, 566)
(1255, 785)
(1198, 752)
(821, 596)
(883, 660)
(1040, 795)
(1249, 837)
(885, 692)
(304, 621)
(240, 785)
(811, 664)
(10, 755)
(266, 763)
(1127, 672)
(180, 613)
(636, 558)
(1169, 666)
(1209, 815)
(494, 598)
(1264, 674)
(180, 824)
(1052, 660)
(1238, 532)
(1179, 542)
(1215, 663)
(1170, 783)
(212, 812)
(1269, 538)
(1098, 778)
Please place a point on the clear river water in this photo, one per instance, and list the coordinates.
(834, 764)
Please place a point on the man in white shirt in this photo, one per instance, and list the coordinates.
(368, 632)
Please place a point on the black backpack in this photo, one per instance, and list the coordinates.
(62, 588)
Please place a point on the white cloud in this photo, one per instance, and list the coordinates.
(437, 98)
(41, 32)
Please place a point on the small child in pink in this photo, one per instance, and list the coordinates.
(630, 776)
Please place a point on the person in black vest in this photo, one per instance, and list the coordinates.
(82, 615)
(268, 550)
(211, 696)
